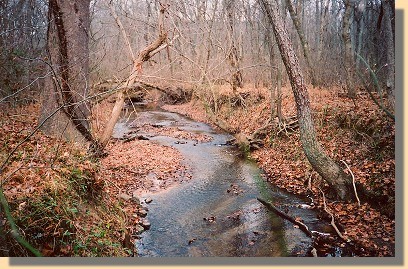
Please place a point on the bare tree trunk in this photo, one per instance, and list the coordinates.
(279, 92)
(303, 41)
(271, 62)
(209, 40)
(360, 17)
(348, 48)
(201, 11)
(389, 36)
(144, 55)
(318, 21)
(68, 55)
(319, 160)
(324, 8)
(233, 55)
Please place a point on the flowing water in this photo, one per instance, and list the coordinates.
(216, 213)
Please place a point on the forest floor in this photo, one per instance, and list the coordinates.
(355, 132)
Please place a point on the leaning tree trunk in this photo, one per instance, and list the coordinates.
(319, 160)
(143, 56)
(64, 106)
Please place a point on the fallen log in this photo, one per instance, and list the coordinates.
(263, 131)
(281, 214)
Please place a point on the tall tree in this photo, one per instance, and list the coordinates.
(67, 88)
(348, 47)
(271, 46)
(359, 17)
(303, 41)
(314, 152)
(233, 56)
(388, 7)
(324, 7)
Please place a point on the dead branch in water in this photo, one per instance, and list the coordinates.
(274, 209)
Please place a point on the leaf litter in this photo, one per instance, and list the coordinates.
(358, 134)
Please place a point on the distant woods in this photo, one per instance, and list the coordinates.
(217, 41)
(226, 41)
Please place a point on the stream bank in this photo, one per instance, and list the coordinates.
(359, 135)
(214, 211)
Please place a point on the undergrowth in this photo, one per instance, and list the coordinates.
(55, 199)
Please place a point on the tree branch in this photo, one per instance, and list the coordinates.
(374, 77)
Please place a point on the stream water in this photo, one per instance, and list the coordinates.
(216, 213)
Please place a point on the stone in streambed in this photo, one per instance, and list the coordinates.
(125, 197)
(142, 213)
(139, 229)
(145, 224)
(135, 199)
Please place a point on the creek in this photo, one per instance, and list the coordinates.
(216, 213)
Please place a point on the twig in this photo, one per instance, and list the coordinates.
(25, 87)
(3, 181)
(374, 77)
(354, 182)
(332, 219)
(115, 185)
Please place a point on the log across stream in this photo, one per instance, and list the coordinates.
(216, 212)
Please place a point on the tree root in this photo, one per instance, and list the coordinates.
(262, 132)
(354, 183)
(332, 223)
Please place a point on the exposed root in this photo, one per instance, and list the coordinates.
(332, 223)
(354, 183)
(262, 132)
(238, 100)
(288, 126)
